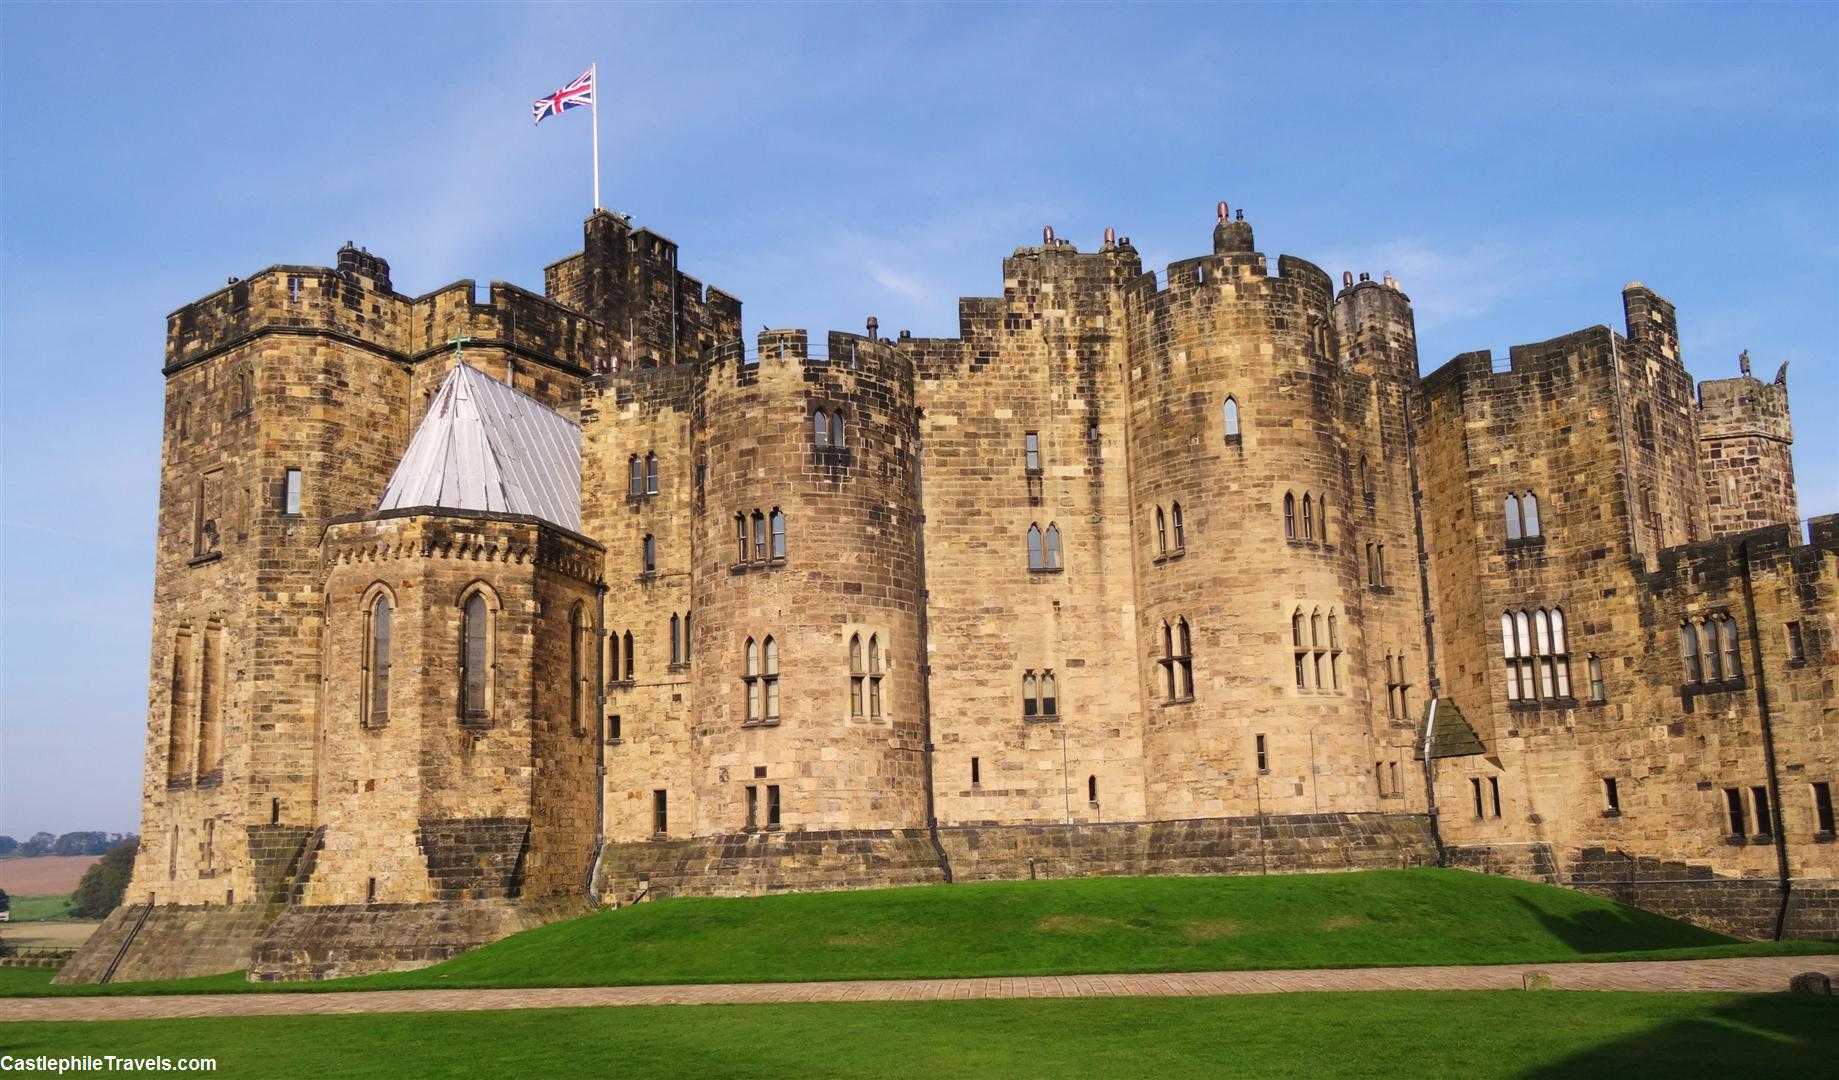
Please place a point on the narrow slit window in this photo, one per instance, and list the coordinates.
(820, 429)
(1162, 533)
(1031, 452)
(759, 536)
(1612, 798)
(1053, 547)
(874, 677)
(660, 812)
(651, 474)
(1289, 516)
(1765, 822)
(290, 501)
(635, 476)
(1733, 808)
(1308, 517)
(858, 677)
(1797, 647)
(1475, 790)
(1092, 790)
(778, 523)
(650, 564)
(1264, 760)
(976, 772)
(377, 665)
(1181, 541)
(1230, 414)
(1494, 793)
(1823, 808)
(475, 659)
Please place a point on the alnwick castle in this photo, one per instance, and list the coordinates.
(479, 609)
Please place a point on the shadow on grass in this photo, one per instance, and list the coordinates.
(1610, 929)
(1754, 1036)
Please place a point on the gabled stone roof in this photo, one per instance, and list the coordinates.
(484, 446)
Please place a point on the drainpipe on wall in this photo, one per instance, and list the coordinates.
(925, 664)
(1768, 744)
(600, 740)
(1430, 782)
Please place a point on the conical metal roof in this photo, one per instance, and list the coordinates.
(485, 446)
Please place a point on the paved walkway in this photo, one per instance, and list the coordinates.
(1759, 973)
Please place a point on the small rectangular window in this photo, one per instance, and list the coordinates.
(1033, 446)
(1475, 790)
(1733, 807)
(290, 500)
(1765, 824)
(976, 772)
(1379, 775)
(651, 556)
(753, 807)
(1797, 648)
(1612, 800)
(293, 288)
(772, 806)
(613, 733)
(1494, 789)
(1823, 807)
(660, 812)
(1263, 758)
(1395, 788)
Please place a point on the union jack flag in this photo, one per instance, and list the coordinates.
(575, 95)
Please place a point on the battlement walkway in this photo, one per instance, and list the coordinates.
(1754, 974)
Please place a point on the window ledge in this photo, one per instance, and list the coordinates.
(633, 498)
(1051, 719)
(1612, 813)
(1189, 700)
(615, 742)
(759, 723)
(1822, 838)
(1383, 590)
(1735, 841)
(1762, 839)
(1525, 543)
(1236, 440)
(1047, 569)
(1722, 686)
(207, 557)
(621, 684)
(374, 725)
(476, 727)
(181, 783)
(212, 779)
(1036, 474)
(1801, 663)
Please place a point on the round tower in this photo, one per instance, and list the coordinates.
(1248, 590)
(805, 580)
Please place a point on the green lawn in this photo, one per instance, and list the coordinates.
(1377, 918)
(1394, 1034)
(39, 908)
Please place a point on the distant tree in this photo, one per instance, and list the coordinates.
(81, 843)
(8, 845)
(39, 844)
(105, 883)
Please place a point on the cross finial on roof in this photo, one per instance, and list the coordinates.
(458, 341)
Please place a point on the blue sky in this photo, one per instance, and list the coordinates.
(1513, 166)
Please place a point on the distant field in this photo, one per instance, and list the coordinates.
(1468, 1035)
(48, 935)
(39, 908)
(44, 875)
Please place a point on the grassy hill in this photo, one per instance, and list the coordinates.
(1377, 918)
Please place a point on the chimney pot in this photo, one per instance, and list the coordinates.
(1224, 211)
(1047, 235)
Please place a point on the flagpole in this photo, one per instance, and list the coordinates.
(594, 74)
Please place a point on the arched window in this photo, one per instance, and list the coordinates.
(376, 693)
(1522, 632)
(179, 708)
(676, 648)
(751, 680)
(1561, 653)
(1036, 559)
(650, 557)
(1315, 627)
(1728, 630)
(210, 700)
(836, 429)
(1509, 651)
(769, 675)
(1230, 413)
(1184, 660)
(740, 538)
(1321, 519)
(577, 666)
(874, 677)
(778, 523)
(1162, 533)
(1689, 652)
(1050, 694)
(759, 536)
(651, 473)
(1511, 507)
(1296, 628)
(613, 658)
(476, 660)
(858, 676)
(1289, 516)
(686, 638)
(1714, 663)
(635, 476)
(1308, 518)
(1542, 645)
(1180, 533)
(1092, 790)
(1030, 701)
(820, 429)
(1334, 634)
(1168, 651)
(1529, 513)
(629, 656)
(1053, 547)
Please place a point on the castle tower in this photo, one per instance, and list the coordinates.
(1745, 452)
(1248, 612)
(286, 406)
(1377, 338)
(805, 579)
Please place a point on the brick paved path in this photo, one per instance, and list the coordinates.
(1759, 973)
